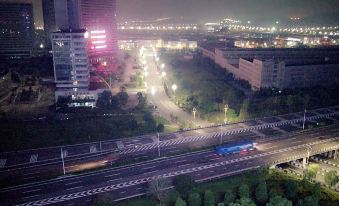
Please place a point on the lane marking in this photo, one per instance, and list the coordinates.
(30, 196)
(3, 163)
(74, 188)
(112, 175)
(34, 158)
(73, 183)
(30, 191)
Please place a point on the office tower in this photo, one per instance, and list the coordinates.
(71, 69)
(16, 30)
(49, 19)
(99, 19)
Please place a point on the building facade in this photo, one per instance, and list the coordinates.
(49, 20)
(280, 68)
(16, 30)
(99, 19)
(71, 68)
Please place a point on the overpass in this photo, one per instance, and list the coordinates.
(39, 164)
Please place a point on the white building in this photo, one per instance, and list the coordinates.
(281, 68)
(71, 67)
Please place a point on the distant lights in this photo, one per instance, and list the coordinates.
(101, 47)
(98, 37)
(98, 32)
(99, 42)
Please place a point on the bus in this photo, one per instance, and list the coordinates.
(236, 147)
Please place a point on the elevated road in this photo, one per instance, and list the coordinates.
(132, 180)
(34, 165)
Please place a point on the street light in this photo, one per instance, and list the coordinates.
(174, 87)
(158, 144)
(194, 111)
(163, 74)
(162, 66)
(225, 109)
(304, 119)
(153, 91)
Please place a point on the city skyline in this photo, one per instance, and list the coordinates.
(216, 9)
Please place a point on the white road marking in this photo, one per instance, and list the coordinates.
(34, 158)
(31, 173)
(30, 191)
(30, 196)
(113, 175)
(3, 163)
(74, 188)
(145, 168)
(73, 183)
(93, 149)
(114, 179)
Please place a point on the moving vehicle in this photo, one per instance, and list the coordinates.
(235, 147)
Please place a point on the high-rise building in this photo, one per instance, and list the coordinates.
(16, 30)
(67, 14)
(49, 19)
(99, 19)
(71, 69)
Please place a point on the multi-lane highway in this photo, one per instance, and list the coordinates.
(34, 165)
(132, 180)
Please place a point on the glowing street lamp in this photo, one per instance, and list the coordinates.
(174, 87)
(225, 109)
(163, 74)
(153, 91)
(162, 66)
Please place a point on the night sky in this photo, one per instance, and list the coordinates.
(207, 10)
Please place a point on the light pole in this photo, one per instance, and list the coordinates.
(194, 111)
(225, 109)
(304, 119)
(158, 144)
(62, 159)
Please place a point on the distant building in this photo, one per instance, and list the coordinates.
(16, 30)
(281, 68)
(49, 20)
(98, 18)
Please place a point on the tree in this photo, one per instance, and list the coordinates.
(221, 204)
(180, 202)
(194, 199)
(156, 187)
(103, 200)
(104, 100)
(183, 184)
(316, 192)
(160, 128)
(209, 199)
(291, 189)
(261, 192)
(310, 201)
(279, 201)
(311, 171)
(123, 98)
(244, 191)
(331, 178)
(243, 202)
(229, 197)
